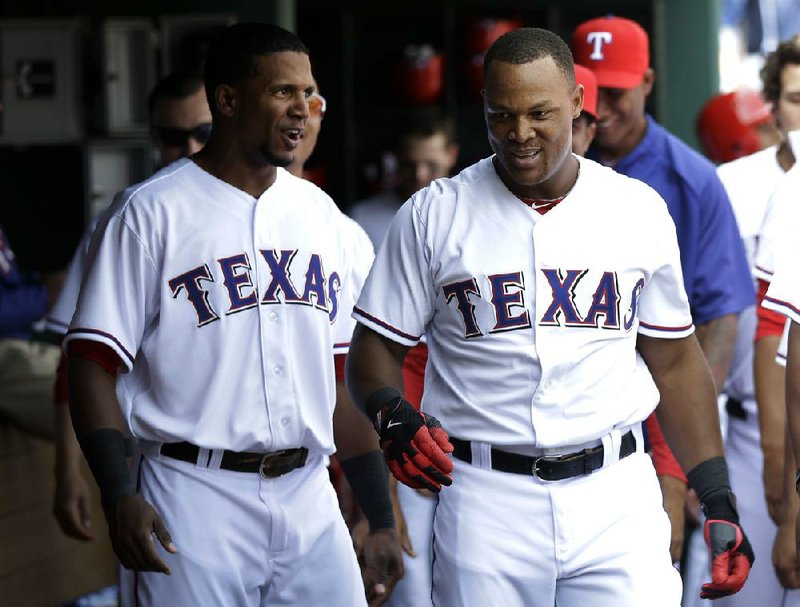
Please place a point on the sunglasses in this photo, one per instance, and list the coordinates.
(317, 104)
(178, 137)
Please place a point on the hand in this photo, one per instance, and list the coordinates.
(674, 494)
(784, 555)
(72, 504)
(383, 565)
(774, 483)
(415, 446)
(731, 553)
(131, 523)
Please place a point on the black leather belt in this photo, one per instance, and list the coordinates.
(547, 468)
(268, 465)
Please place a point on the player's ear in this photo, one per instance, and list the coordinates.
(577, 101)
(227, 99)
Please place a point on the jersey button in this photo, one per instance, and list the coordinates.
(277, 370)
(273, 316)
(285, 422)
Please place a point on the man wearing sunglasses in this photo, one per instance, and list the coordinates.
(180, 126)
(179, 117)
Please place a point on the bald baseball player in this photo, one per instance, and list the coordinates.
(180, 123)
(550, 291)
(219, 359)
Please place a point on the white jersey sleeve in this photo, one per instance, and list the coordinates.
(783, 295)
(404, 273)
(121, 284)
(663, 305)
(780, 217)
(60, 316)
(358, 257)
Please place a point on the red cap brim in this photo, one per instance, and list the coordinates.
(613, 79)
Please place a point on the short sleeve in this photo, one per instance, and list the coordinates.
(663, 306)
(60, 316)
(783, 294)
(398, 298)
(118, 296)
(358, 255)
(779, 218)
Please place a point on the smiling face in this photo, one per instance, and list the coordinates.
(621, 121)
(529, 110)
(270, 109)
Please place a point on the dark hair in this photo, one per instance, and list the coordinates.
(179, 85)
(232, 54)
(787, 53)
(528, 44)
(424, 122)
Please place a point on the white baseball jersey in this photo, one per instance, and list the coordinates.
(61, 314)
(779, 218)
(783, 294)
(226, 310)
(749, 182)
(531, 319)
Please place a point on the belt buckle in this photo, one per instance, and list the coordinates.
(535, 467)
(271, 465)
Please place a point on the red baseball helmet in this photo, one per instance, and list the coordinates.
(585, 76)
(726, 125)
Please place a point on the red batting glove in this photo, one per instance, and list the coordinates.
(415, 446)
(731, 553)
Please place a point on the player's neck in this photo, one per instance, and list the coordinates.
(226, 164)
(555, 187)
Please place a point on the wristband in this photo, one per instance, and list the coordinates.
(709, 478)
(369, 481)
(105, 451)
(377, 401)
(797, 481)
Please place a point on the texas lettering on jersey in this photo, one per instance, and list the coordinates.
(235, 276)
(507, 296)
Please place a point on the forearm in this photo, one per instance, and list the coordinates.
(687, 409)
(770, 384)
(92, 397)
(793, 388)
(68, 450)
(373, 362)
(717, 340)
(352, 431)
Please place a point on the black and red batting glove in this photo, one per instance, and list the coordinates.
(731, 553)
(414, 444)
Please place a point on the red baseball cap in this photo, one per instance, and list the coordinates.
(616, 49)
(585, 76)
(726, 123)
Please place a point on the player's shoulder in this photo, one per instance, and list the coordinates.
(477, 181)
(140, 196)
(743, 168)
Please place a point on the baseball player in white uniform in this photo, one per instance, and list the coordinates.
(551, 294)
(206, 327)
(750, 182)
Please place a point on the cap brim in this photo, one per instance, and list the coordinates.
(613, 79)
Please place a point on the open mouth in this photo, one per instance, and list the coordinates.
(523, 158)
(292, 137)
